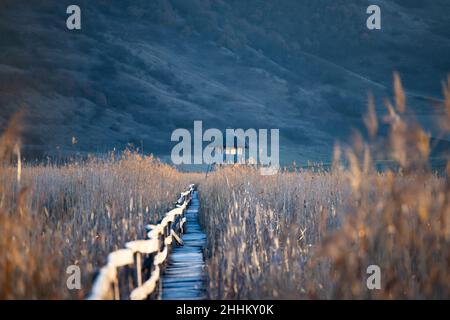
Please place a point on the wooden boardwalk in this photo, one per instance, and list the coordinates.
(184, 275)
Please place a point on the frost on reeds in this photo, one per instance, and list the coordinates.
(309, 234)
(73, 214)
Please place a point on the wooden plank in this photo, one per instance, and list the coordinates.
(120, 258)
(103, 283)
(144, 246)
(155, 231)
(147, 288)
(184, 276)
(176, 237)
(160, 257)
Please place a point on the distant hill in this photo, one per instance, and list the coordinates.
(140, 69)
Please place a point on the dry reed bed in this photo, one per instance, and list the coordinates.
(259, 229)
(313, 235)
(74, 214)
(292, 235)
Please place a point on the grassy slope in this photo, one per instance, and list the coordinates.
(139, 70)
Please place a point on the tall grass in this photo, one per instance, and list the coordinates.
(313, 235)
(74, 214)
(297, 234)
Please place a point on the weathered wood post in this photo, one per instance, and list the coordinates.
(116, 288)
(138, 269)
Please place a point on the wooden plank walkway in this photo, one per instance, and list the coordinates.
(184, 276)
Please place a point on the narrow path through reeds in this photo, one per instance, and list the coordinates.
(184, 276)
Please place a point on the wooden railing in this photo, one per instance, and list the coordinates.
(134, 272)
